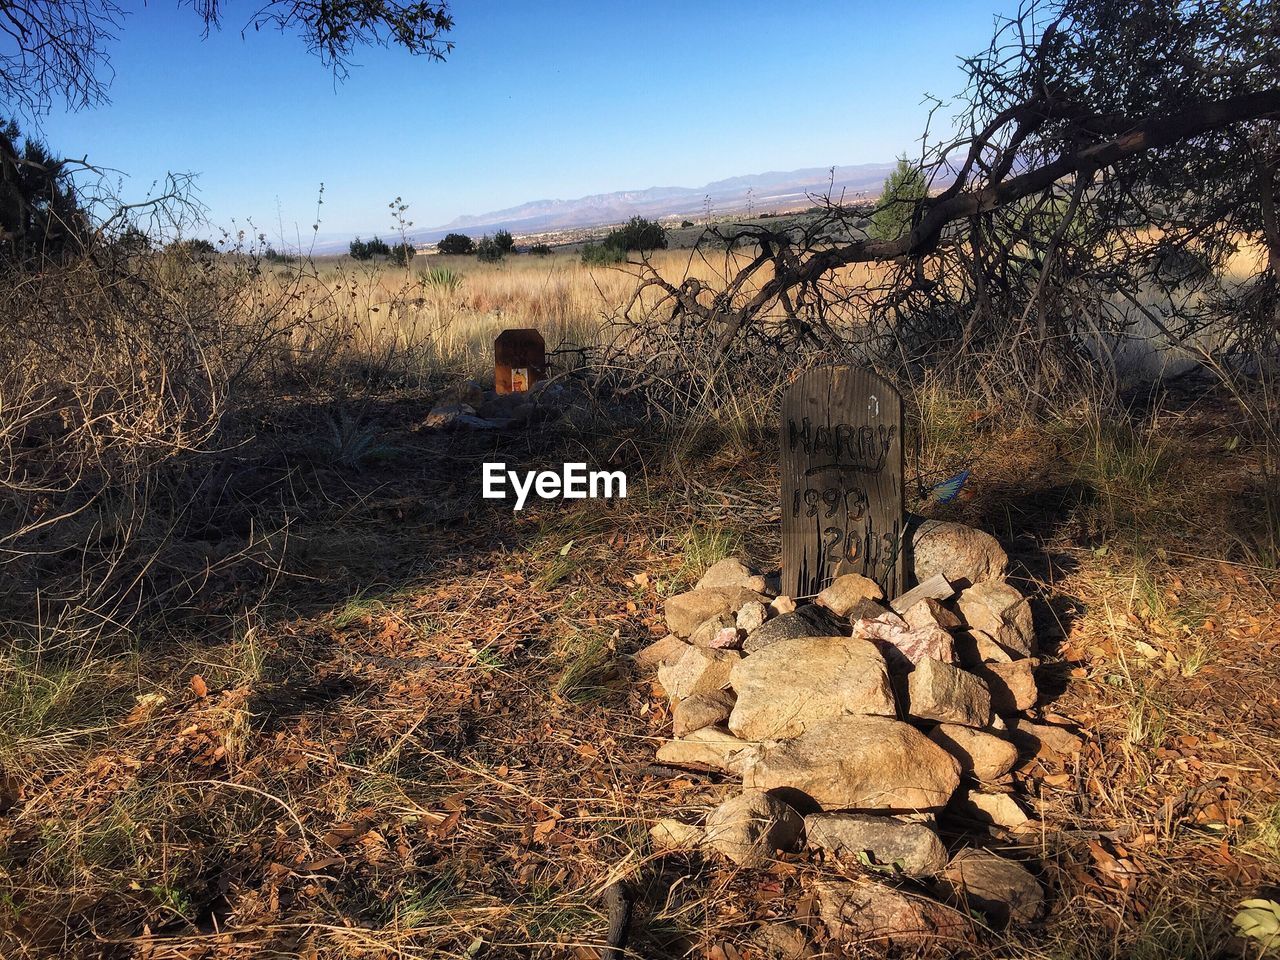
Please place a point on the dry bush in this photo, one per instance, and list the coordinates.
(121, 372)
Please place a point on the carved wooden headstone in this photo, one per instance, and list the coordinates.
(841, 481)
(519, 360)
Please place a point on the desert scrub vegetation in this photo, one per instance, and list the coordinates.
(272, 666)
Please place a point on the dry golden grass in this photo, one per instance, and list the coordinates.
(443, 312)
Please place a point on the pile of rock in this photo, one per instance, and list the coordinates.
(473, 406)
(867, 728)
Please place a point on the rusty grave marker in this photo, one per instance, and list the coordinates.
(519, 360)
(842, 508)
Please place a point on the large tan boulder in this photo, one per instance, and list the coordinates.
(1012, 685)
(751, 827)
(983, 755)
(1002, 889)
(793, 684)
(961, 554)
(1001, 612)
(940, 691)
(866, 912)
(697, 670)
(858, 764)
(685, 612)
(910, 847)
(711, 748)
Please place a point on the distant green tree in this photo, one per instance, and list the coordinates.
(504, 242)
(540, 250)
(456, 243)
(368, 249)
(638, 234)
(686, 224)
(40, 215)
(194, 249)
(903, 190)
(488, 251)
(402, 253)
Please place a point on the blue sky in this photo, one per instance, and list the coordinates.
(549, 99)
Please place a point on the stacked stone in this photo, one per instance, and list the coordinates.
(857, 723)
(473, 406)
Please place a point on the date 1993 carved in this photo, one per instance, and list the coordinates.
(842, 486)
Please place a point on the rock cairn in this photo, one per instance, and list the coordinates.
(473, 406)
(867, 729)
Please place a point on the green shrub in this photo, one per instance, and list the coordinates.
(368, 249)
(540, 250)
(402, 253)
(504, 242)
(456, 243)
(601, 254)
(192, 249)
(638, 234)
(903, 190)
(488, 251)
(41, 220)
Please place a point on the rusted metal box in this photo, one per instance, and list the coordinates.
(519, 360)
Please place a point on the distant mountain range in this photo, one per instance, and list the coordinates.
(774, 191)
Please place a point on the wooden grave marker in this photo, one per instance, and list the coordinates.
(842, 507)
(519, 360)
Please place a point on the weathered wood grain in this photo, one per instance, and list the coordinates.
(842, 509)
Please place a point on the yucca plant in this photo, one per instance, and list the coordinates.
(441, 278)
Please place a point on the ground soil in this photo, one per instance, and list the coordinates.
(428, 739)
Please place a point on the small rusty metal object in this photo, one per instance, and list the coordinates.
(519, 360)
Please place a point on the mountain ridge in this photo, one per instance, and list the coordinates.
(775, 191)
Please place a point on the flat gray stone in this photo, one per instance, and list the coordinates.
(912, 848)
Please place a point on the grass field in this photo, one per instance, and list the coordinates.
(392, 719)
